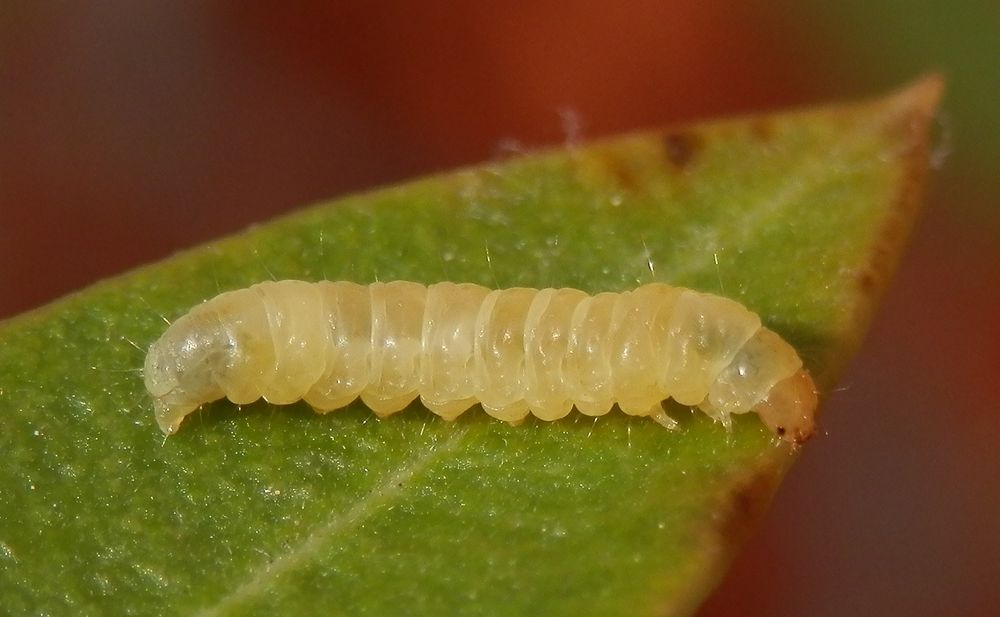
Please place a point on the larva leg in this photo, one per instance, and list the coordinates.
(722, 415)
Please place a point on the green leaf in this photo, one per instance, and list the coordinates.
(266, 510)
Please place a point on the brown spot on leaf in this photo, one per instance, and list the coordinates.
(867, 283)
(762, 129)
(624, 173)
(744, 505)
(681, 148)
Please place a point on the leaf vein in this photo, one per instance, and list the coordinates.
(394, 486)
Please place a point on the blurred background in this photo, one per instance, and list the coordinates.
(129, 130)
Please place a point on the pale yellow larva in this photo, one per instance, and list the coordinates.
(514, 351)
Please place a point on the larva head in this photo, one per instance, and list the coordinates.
(180, 368)
(790, 408)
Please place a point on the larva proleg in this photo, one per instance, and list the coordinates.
(515, 351)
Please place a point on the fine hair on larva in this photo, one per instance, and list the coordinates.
(514, 351)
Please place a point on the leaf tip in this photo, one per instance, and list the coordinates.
(924, 93)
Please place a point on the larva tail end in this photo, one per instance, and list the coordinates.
(169, 418)
(790, 408)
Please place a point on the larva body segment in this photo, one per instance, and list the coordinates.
(515, 351)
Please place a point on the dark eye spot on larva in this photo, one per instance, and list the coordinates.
(780, 431)
(681, 148)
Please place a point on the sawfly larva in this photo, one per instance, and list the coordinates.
(514, 351)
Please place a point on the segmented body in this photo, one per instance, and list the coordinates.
(515, 351)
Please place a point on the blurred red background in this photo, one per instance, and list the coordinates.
(130, 130)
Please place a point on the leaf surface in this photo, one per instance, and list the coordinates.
(266, 510)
